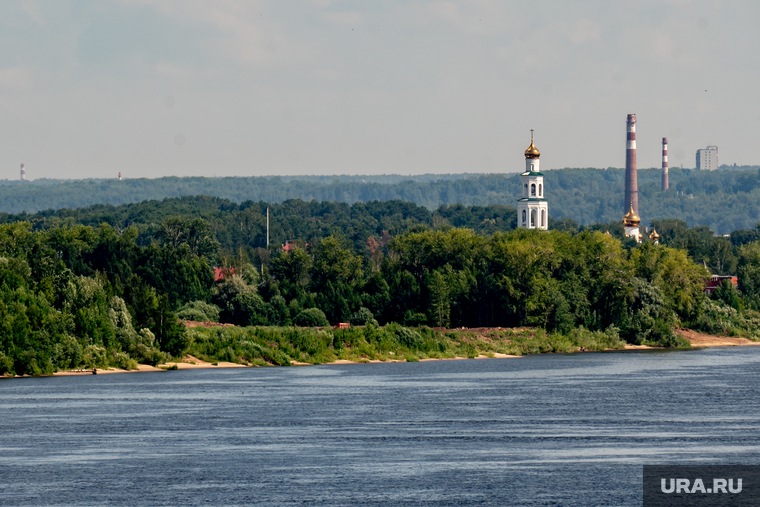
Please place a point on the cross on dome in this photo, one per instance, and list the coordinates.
(532, 151)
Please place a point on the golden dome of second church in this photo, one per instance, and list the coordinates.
(631, 219)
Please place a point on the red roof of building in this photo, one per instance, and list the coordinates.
(716, 280)
(288, 246)
(222, 273)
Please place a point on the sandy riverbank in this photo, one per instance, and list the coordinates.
(105, 371)
(191, 363)
(701, 340)
(708, 340)
(695, 338)
(495, 355)
(188, 363)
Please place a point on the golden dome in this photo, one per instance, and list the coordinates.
(532, 151)
(654, 236)
(631, 219)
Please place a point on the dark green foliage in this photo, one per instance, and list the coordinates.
(414, 319)
(408, 337)
(170, 334)
(336, 278)
(748, 273)
(6, 364)
(229, 288)
(348, 338)
(312, 342)
(139, 345)
(362, 317)
(279, 314)
(278, 346)
(291, 269)
(71, 297)
(651, 322)
(311, 317)
(199, 311)
(728, 295)
(249, 310)
(241, 228)
(195, 234)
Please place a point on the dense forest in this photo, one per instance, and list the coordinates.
(722, 200)
(240, 229)
(111, 285)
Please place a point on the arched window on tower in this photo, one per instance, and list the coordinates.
(543, 217)
(525, 192)
(533, 218)
(533, 189)
(540, 190)
(524, 215)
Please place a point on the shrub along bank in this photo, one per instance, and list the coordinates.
(285, 345)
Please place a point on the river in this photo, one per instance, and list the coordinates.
(538, 430)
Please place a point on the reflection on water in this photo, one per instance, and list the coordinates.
(540, 430)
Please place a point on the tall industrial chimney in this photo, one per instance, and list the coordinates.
(119, 175)
(23, 173)
(665, 183)
(631, 179)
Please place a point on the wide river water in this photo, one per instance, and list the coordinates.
(539, 430)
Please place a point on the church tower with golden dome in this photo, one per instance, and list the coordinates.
(654, 236)
(532, 207)
(631, 223)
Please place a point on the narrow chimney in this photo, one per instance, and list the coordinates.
(631, 179)
(665, 183)
(23, 173)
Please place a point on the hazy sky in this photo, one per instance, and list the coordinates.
(227, 87)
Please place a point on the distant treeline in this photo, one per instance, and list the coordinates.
(240, 229)
(243, 227)
(723, 200)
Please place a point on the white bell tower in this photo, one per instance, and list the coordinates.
(532, 207)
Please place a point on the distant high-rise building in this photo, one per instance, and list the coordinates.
(23, 173)
(707, 159)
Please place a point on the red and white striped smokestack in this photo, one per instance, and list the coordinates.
(23, 173)
(631, 178)
(665, 183)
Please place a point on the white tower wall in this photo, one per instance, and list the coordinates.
(532, 207)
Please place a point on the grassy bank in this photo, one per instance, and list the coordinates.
(287, 345)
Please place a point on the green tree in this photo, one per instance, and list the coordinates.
(311, 317)
(249, 309)
(749, 274)
(336, 279)
(728, 295)
(291, 269)
(440, 299)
